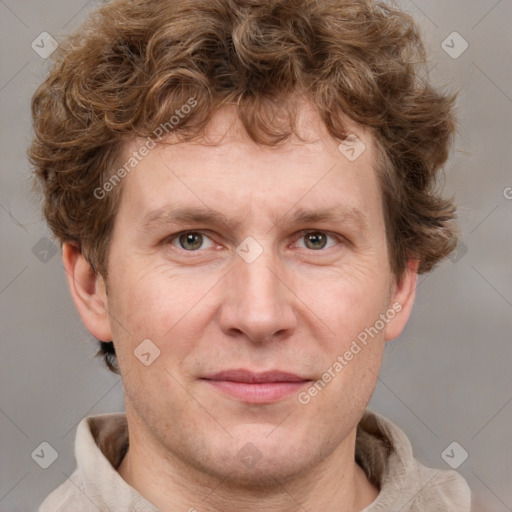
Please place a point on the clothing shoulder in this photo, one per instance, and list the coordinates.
(441, 491)
(405, 484)
(66, 497)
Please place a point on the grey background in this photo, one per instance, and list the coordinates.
(446, 379)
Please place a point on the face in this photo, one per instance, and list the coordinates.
(255, 273)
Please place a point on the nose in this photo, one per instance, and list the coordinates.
(258, 304)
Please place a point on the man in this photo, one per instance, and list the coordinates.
(245, 194)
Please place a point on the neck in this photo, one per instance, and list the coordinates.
(337, 483)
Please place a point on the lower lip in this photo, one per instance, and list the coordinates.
(259, 393)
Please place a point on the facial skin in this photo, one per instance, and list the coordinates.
(295, 308)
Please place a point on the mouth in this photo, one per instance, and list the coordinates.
(252, 387)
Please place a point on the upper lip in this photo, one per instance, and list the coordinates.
(255, 377)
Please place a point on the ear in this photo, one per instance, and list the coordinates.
(88, 291)
(402, 300)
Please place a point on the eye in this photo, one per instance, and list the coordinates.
(317, 240)
(191, 241)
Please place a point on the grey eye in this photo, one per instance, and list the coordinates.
(190, 241)
(315, 240)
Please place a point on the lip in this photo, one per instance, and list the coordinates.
(256, 387)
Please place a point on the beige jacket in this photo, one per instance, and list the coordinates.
(382, 449)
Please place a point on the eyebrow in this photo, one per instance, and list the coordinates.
(341, 214)
(194, 215)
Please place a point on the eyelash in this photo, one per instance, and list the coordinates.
(338, 238)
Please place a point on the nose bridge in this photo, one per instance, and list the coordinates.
(259, 278)
(258, 303)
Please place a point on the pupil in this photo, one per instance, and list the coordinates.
(191, 241)
(316, 240)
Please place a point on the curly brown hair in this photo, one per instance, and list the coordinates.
(135, 62)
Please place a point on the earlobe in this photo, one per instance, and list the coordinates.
(402, 301)
(88, 292)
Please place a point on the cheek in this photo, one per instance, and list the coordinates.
(348, 380)
(170, 310)
(155, 297)
(346, 300)
(349, 308)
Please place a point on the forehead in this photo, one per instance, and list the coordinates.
(226, 171)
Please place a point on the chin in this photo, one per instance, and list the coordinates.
(260, 462)
(267, 474)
